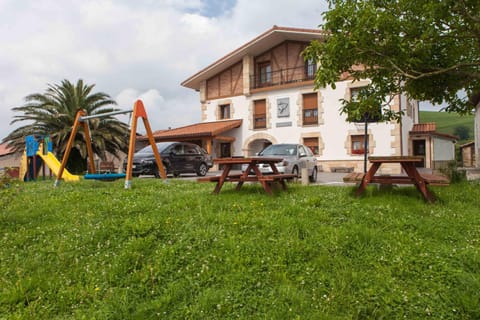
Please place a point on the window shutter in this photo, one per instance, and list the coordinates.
(310, 101)
(260, 114)
(260, 107)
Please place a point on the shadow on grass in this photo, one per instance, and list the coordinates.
(388, 191)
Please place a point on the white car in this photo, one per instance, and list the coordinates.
(295, 158)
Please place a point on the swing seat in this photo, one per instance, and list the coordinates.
(104, 176)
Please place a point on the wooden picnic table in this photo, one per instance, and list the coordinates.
(412, 175)
(251, 174)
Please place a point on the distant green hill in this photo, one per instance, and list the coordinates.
(451, 123)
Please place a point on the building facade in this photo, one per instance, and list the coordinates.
(9, 161)
(268, 85)
(437, 149)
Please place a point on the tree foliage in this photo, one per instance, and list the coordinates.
(462, 132)
(53, 113)
(428, 49)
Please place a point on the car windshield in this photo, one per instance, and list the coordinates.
(279, 150)
(148, 149)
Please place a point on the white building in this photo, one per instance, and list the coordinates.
(263, 93)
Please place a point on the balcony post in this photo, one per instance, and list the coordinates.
(248, 71)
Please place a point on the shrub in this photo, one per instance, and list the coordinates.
(5, 178)
(452, 172)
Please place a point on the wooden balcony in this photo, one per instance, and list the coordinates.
(282, 77)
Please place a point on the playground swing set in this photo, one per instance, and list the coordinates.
(81, 119)
(37, 155)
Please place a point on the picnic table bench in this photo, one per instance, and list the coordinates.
(430, 179)
(412, 176)
(251, 174)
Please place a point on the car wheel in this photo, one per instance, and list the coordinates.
(295, 172)
(167, 168)
(202, 169)
(313, 176)
(156, 173)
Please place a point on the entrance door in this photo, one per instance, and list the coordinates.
(419, 150)
(225, 150)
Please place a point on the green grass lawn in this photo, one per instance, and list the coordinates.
(93, 250)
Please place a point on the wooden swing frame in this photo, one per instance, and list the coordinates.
(81, 120)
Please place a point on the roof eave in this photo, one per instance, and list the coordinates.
(170, 135)
(434, 133)
(271, 37)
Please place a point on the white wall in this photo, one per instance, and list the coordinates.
(333, 129)
(443, 150)
(407, 122)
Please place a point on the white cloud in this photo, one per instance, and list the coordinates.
(198, 24)
(161, 113)
(185, 4)
(127, 98)
(130, 49)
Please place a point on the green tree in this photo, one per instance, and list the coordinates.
(53, 113)
(462, 132)
(428, 49)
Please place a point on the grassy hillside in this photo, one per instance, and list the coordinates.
(449, 122)
(92, 250)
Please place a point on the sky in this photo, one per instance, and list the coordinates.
(131, 49)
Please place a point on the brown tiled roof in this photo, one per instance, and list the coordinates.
(424, 127)
(429, 129)
(197, 130)
(4, 149)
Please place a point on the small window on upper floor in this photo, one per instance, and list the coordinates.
(354, 95)
(259, 114)
(310, 69)
(354, 92)
(265, 73)
(310, 109)
(224, 111)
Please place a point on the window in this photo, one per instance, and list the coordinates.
(312, 144)
(310, 109)
(310, 69)
(265, 72)
(358, 144)
(225, 150)
(259, 114)
(178, 149)
(354, 93)
(302, 152)
(224, 111)
(192, 149)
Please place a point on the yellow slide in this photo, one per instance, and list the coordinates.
(52, 162)
(23, 166)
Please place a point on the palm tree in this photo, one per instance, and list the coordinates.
(53, 113)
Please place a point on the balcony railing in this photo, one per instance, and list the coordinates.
(310, 116)
(283, 76)
(260, 121)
